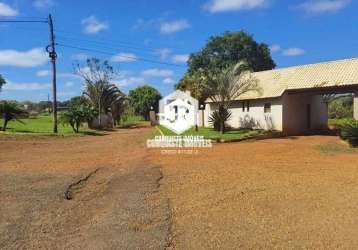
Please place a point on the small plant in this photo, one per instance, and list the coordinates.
(11, 111)
(219, 118)
(349, 132)
(76, 116)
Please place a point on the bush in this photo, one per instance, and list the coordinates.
(349, 132)
(341, 107)
(219, 118)
(76, 116)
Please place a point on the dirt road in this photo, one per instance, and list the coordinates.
(271, 194)
(114, 191)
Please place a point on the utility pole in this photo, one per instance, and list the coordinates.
(52, 54)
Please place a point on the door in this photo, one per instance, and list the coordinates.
(308, 116)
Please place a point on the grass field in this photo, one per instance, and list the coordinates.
(41, 125)
(131, 121)
(209, 133)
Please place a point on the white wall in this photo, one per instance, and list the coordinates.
(255, 117)
(296, 115)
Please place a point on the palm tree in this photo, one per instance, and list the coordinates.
(102, 94)
(226, 86)
(10, 111)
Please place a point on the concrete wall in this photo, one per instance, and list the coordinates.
(355, 106)
(296, 119)
(255, 117)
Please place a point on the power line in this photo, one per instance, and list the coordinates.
(104, 45)
(122, 56)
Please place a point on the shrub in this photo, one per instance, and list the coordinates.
(349, 132)
(219, 118)
(76, 116)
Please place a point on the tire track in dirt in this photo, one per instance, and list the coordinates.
(120, 206)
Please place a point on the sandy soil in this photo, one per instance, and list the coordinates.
(271, 194)
(119, 206)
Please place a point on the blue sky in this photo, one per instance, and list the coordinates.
(298, 32)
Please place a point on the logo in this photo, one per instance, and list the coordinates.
(178, 111)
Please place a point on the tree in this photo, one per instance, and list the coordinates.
(222, 52)
(143, 98)
(98, 88)
(77, 115)
(226, 86)
(10, 111)
(229, 49)
(2, 81)
(75, 101)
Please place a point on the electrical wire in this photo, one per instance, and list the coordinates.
(122, 56)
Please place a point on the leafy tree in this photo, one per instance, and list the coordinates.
(227, 50)
(340, 107)
(143, 98)
(226, 86)
(75, 102)
(10, 111)
(98, 88)
(77, 115)
(222, 52)
(2, 81)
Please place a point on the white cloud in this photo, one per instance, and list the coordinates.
(169, 81)
(66, 94)
(32, 58)
(69, 84)
(275, 48)
(124, 57)
(157, 73)
(293, 52)
(163, 53)
(183, 58)
(91, 25)
(324, 6)
(216, 6)
(7, 10)
(174, 26)
(43, 4)
(79, 57)
(25, 86)
(123, 82)
(42, 73)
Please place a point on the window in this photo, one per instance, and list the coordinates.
(245, 104)
(267, 108)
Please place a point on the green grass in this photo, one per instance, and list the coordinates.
(339, 123)
(131, 121)
(42, 125)
(332, 149)
(209, 133)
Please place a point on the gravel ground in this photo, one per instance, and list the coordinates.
(119, 206)
(271, 194)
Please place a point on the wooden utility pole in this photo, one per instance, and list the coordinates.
(52, 54)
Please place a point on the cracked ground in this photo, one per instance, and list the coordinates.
(115, 196)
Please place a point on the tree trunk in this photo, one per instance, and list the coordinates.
(77, 127)
(5, 125)
(222, 127)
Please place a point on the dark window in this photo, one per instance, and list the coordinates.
(248, 106)
(267, 108)
(243, 106)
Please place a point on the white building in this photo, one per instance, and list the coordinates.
(178, 111)
(291, 99)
